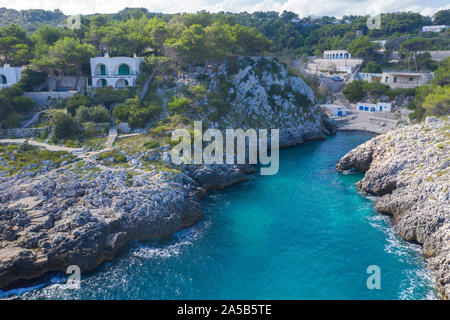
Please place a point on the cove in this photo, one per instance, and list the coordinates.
(304, 233)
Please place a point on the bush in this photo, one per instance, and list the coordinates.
(178, 105)
(354, 91)
(64, 126)
(12, 120)
(151, 144)
(82, 114)
(99, 114)
(76, 101)
(90, 130)
(23, 104)
(121, 112)
(108, 96)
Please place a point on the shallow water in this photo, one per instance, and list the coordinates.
(305, 233)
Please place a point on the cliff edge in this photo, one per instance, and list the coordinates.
(408, 169)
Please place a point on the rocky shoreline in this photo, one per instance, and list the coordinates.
(408, 170)
(84, 211)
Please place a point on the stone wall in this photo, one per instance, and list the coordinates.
(22, 132)
(46, 98)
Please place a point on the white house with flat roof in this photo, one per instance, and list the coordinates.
(434, 28)
(116, 72)
(9, 75)
(373, 107)
(405, 79)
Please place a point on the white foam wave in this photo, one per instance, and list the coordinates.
(183, 239)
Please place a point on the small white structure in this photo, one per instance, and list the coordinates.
(333, 110)
(434, 28)
(336, 54)
(117, 72)
(372, 107)
(9, 75)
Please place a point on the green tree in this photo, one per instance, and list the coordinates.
(64, 126)
(15, 46)
(31, 77)
(442, 73)
(363, 47)
(442, 17)
(66, 56)
(437, 103)
(413, 45)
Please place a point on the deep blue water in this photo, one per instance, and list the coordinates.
(305, 233)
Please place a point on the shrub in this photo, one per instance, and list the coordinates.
(99, 114)
(354, 91)
(178, 105)
(76, 101)
(108, 96)
(82, 114)
(121, 112)
(90, 130)
(151, 144)
(64, 126)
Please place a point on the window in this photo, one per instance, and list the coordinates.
(386, 79)
(411, 79)
(395, 79)
(3, 79)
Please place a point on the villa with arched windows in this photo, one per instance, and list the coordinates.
(336, 54)
(116, 72)
(9, 75)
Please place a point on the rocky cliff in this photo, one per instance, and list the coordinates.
(258, 93)
(82, 212)
(408, 169)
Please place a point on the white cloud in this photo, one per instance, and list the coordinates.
(302, 7)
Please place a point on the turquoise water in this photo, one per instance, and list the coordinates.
(305, 233)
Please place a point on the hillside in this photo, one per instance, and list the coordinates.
(31, 19)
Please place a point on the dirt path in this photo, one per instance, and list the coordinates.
(47, 146)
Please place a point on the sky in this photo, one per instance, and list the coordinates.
(337, 8)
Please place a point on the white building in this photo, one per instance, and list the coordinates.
(333, 60)
(405, 79)
(117, 72)
(434, 28)
(336, 54)
(372, 107)
(333, 110)
(9, 75)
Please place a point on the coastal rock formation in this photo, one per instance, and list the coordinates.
(83, 212)
(257, 93)
(57, 220)
(408, 169)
